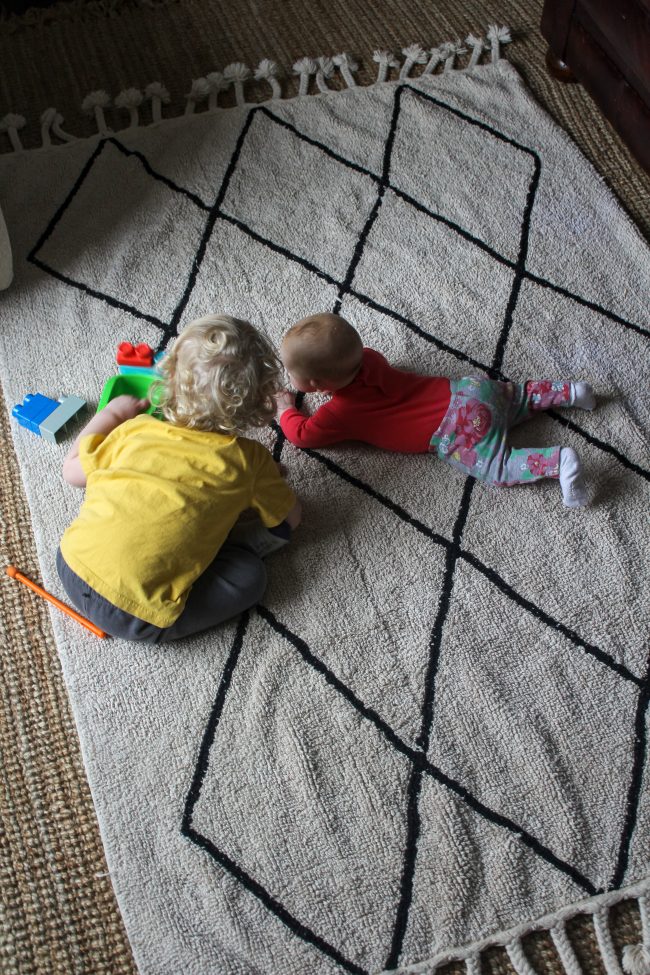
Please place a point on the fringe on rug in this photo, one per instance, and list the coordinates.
(313, 75)
(635, 958)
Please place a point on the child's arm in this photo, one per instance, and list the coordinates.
(318, 430)
(117, 411)
(261, 531)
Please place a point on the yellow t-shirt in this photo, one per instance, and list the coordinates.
(160, 501)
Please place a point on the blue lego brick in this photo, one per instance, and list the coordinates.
(54, 424)
(34, 409)
(129, 370)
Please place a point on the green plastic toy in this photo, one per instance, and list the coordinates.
(131, 384)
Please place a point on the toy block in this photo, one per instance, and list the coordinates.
(34, 409)
(134, 355)
(142, 370)
(133, 384)
(152, 370)
(52, 427)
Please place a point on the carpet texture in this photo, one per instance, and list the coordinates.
(55, 57)
(384, 763)
(59, 910)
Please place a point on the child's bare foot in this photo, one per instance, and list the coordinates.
(572, 482)
(582, 396)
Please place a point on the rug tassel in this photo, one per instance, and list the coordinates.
(384, 60)
(477, 44)
(216, 83)
(199, 91)
(473, 965)
(447, 54)
(636, 958)
(565, 950)
(437, 55)
(47, 118)
(237, 73)
(454, 48)
(51, 122)
(158, 95)
(130, 99)
(304, 68)
(413, 54)
(497, 36)
(346, 66)
(518, 959)
(605, 943)
(94, 104)
(10, 124)
(325, 70)
(268, 71)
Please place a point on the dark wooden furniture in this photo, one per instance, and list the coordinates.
(605, 45)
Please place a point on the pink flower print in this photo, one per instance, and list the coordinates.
(539, 465)
(545, 393)
(465, 455)
(474, 421)
(448, 425)
(540, 386)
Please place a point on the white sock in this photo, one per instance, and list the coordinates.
(574, 489)
(582, 396)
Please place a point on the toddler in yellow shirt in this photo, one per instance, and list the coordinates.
(158, 550)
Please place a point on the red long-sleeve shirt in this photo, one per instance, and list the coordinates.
(383, 406)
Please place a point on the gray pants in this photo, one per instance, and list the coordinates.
(233, 582)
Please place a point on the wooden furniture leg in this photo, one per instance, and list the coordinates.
(558, 69)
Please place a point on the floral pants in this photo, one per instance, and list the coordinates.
(472, 435)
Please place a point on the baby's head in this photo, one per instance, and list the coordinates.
(321, 352)
(221, 375)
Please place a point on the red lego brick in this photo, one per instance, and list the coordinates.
(134, 355)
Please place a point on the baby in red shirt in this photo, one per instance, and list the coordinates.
(464, 421)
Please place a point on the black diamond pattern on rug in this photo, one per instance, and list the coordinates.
(419, 759)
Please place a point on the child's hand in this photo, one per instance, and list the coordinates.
(284, 400)
(126, 407)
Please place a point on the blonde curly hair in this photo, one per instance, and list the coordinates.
(221, 375)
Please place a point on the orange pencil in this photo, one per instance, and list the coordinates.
(15, 574)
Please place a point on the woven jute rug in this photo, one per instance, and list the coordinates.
(52, 867)
(382, 767)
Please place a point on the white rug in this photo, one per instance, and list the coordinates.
(432, 734)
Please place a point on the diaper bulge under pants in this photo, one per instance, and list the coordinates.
(473, 433)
